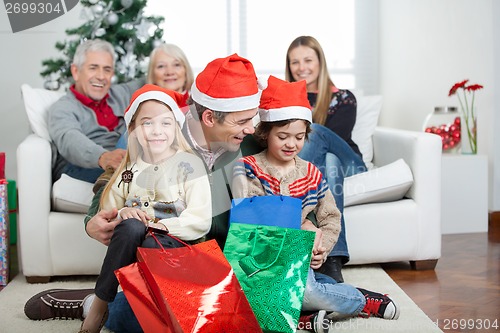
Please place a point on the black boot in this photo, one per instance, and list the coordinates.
(333, 267)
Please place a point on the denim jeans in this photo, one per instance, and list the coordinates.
(90, 175)
(342, 162)
(324, 293)
(85, 174)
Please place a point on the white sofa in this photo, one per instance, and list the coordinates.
(399, 221)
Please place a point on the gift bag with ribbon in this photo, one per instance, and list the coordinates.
(186, 289)
(4, 234)
(271, 264)
(270, 210)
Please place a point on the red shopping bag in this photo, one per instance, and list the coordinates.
(140, 299)
(187, 289)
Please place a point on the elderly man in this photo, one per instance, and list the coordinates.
(86, 124)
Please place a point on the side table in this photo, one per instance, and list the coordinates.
(464, 194)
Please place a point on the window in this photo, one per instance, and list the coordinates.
(261, 30)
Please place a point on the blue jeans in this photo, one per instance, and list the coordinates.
(85, 174)
(324, 293)
(90, 175)
(121, 317)
(340, 162)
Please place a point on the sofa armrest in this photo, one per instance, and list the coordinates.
(34, 165)
(420, 150)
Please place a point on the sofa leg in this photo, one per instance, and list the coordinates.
(37, 279)
(422, 265)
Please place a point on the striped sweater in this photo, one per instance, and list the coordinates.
(255, 176)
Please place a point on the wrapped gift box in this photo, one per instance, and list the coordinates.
(4, 234)
(12, 201)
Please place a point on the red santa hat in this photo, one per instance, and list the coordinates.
(282, 100)
(227, 85)
(153, 92)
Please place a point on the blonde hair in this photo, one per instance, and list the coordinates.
(134, 149)
(325, 83)
(175, 52)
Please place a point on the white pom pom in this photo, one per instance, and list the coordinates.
(262, 81)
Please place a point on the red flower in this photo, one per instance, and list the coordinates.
(456, 86)
(467, 109)
(473, 87)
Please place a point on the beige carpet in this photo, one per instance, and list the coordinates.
(412, 319)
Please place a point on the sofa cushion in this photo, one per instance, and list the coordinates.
(37, 102)
(387, 183)
(367, 115)
(71, 195)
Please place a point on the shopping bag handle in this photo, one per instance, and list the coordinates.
(248, 263)
(152, 231)
(255, 196)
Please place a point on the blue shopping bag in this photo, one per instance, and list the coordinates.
(270, 210)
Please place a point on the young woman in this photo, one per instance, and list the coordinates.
(334, 116)
(284, 128)
(160, 184)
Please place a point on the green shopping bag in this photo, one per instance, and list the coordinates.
(271, 264)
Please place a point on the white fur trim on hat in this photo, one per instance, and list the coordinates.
(225, 104)
(285, 113)
(158, 96)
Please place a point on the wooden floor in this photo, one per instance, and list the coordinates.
(463, 290)
(463, 293)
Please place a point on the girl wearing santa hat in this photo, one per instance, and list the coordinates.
(285, 121)
(160, 184)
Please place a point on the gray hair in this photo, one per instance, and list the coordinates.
(175, 52)
(92, 45)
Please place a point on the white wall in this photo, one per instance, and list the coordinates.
(22, 55)
(426, 46)
(494, 174)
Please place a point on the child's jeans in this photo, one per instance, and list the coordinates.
(324, 293)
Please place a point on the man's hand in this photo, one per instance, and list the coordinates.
(111, 158)
(101, 226)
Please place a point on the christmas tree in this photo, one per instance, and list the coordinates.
(120, 22)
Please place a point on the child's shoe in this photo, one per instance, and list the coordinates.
(314, 322)
(379, 305)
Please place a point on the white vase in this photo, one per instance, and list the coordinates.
(469, 134)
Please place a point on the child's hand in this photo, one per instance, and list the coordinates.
(157, 225)
(319, 252)
(318, 257)
(134, 213)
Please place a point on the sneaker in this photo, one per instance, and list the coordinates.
(314, 322)
(103, 179)
(57, 304)
(379, 305)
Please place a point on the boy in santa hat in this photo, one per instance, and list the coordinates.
(285, 122)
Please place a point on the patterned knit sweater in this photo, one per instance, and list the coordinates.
(255, 176)
(175, 193)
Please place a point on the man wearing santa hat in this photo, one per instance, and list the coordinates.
(224, 100)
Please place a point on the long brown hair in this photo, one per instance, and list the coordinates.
(134, 149)
(325, 83)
